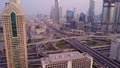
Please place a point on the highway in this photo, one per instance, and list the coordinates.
(34, 57)
(55, 40)
(99, 57)
(104, 48)
(78, 45)
(85, 37)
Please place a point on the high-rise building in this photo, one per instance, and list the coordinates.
(52, 14)
(117, 16)
(67, 60)
(71, 23)
(75, 13)
(69, 15)
(91, 11)
(115, 50)
(56, 11)
(82, 17)
(13, 20)
(60, 12)
(112, 15)
(113, 19)
(0, 21)
(117, 12)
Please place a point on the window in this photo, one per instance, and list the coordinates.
(13, 21)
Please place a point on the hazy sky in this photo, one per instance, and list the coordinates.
(44, 6)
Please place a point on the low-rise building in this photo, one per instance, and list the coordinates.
(67, 60)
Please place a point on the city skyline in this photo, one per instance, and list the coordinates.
(59, 34)
(81, 6)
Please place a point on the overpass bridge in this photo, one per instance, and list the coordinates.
(84, 48)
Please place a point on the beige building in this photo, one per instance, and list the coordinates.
(13, 19)
(67, 60)
(75, 32)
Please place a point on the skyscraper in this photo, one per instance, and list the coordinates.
(118, 12)
(13, 19)
(112, 13)
(69, 15)
(56, 11)
(117, 16)
(60, 12)
(115, 49)
(52, 16)
(75, 14)
(110, 16)
(91, 12)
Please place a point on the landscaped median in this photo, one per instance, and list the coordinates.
(35, 40)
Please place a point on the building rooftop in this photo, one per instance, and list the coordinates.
(66, 56)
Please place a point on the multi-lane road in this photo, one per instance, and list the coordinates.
(99, 57)
(33, 58)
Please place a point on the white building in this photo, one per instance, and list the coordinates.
(115, 50)
(67, 60)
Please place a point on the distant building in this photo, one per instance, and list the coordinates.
(104, 13)
(91, 11)
(104, 17)
(56, 11)
(34, 29)
(60, 12)
(82, 17)
(71, 23)
(0, 21)
(117, 17)
(115, 50)
(1, 28)
(87, 27)
(114, 23)
(52, 14)
(75, 32)
(75, 13)
(69, 15)
(98, 18)
(67, 60)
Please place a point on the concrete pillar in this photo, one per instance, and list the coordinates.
(43, 66)
(91, 66)
(69, 64)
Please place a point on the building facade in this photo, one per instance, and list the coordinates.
(13, 20)
(67, 60)
(91, 12)
(115, 50)
(114, 21)
(69, 15)
(60, 12)
(56, 11)
(117, 17)
(105, 17)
